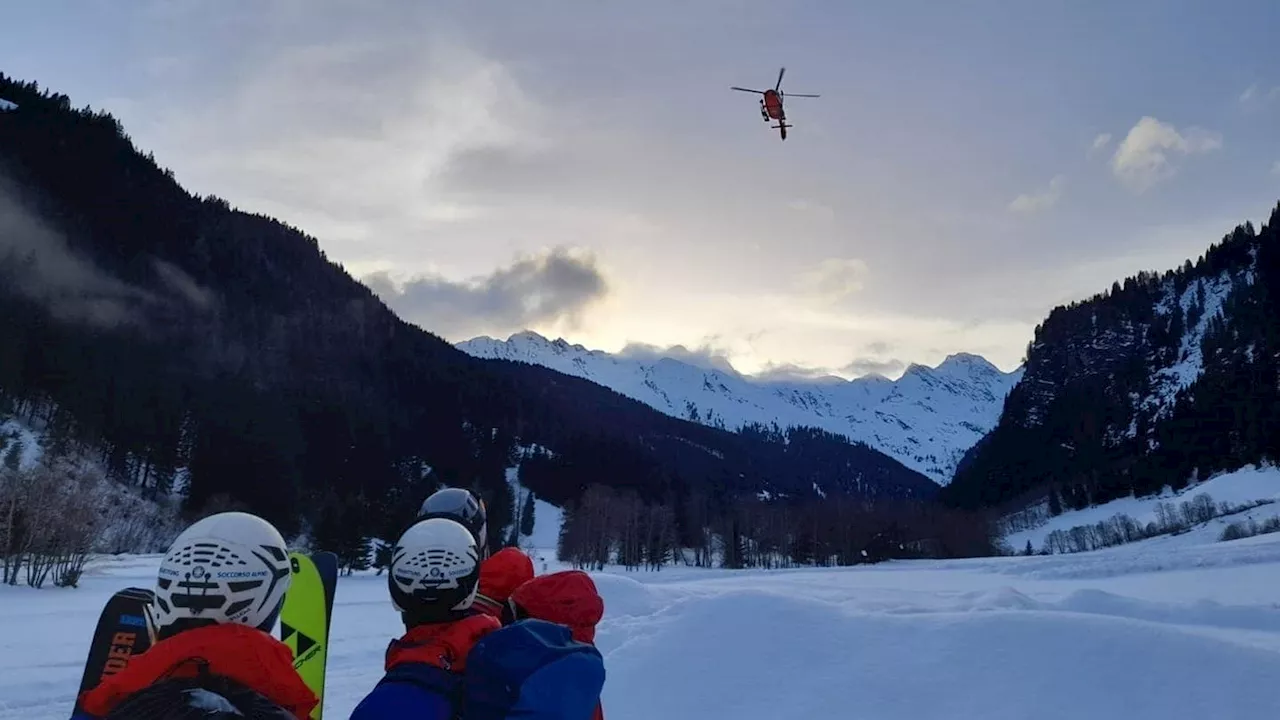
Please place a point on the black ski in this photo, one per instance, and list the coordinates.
(125, 628)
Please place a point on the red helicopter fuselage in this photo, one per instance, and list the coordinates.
(773, 105)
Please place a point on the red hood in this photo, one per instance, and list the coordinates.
(568, 597)
(501, 574)
(246, 655)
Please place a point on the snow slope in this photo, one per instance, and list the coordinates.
(6, 105)
(926, 419)
(1239, 488)
(1128, 633)
(14, 434)
(1188, 366)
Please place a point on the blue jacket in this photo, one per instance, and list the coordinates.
(412, 690)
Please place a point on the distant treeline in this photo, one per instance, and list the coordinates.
(606, 526)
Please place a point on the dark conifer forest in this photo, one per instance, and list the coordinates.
(193, 347)
(1113, 401)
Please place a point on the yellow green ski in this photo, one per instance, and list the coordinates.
(305, 618)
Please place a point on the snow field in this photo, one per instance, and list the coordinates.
(1240, 487)
(1135, 632)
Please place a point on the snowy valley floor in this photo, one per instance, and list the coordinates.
(1153, 630)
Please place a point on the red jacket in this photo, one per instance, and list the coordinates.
(567, 598)
(500, 574)
(444, 645)
(246, 655)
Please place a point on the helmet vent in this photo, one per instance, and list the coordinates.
(211, 554)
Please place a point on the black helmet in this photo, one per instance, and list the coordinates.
(461, 506)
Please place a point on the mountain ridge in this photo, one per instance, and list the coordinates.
(926, 419)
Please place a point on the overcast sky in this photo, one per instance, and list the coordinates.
(582, 169)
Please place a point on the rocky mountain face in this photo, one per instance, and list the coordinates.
(926, 419)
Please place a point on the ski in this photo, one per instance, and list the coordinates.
(305, 617)
(125, 628)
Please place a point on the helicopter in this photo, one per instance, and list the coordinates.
(771, 103)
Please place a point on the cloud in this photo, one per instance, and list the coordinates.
(1031, 204)
(813, 207)
(1145, 156)
(1100, 143)
(796, 373)
(367, 143)
(551, 287)
(182, 284)
(872, 366)
(1255, 93)
(1275, 169)
(706, 356)
(835, 278)
(36, 261)
(791, 372)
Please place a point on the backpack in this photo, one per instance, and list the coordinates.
(206, 698)
(532, 670)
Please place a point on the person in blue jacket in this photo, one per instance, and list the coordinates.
(433, 579)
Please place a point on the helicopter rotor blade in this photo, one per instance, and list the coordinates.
(758, 92)
(778, 84)
(801, 95)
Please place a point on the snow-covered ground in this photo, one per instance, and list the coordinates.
(1245, 486)
(14, 434)
(1135, 632)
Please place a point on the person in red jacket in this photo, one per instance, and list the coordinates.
(568, 597)
(500, 575)
(433, 580)
(218, 596)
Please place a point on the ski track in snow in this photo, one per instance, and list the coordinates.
(1151, 630)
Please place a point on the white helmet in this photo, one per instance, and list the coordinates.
(435, 571)
(231, 567)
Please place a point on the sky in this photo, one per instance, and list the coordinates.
(584, 171)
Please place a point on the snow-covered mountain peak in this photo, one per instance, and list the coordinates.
(967, 363)
(926, 419)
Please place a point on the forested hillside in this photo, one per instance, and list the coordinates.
(1164, 379)
(186, 342)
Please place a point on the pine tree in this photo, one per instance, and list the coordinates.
(1055, 503)
(13, 456)
(526, 516)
